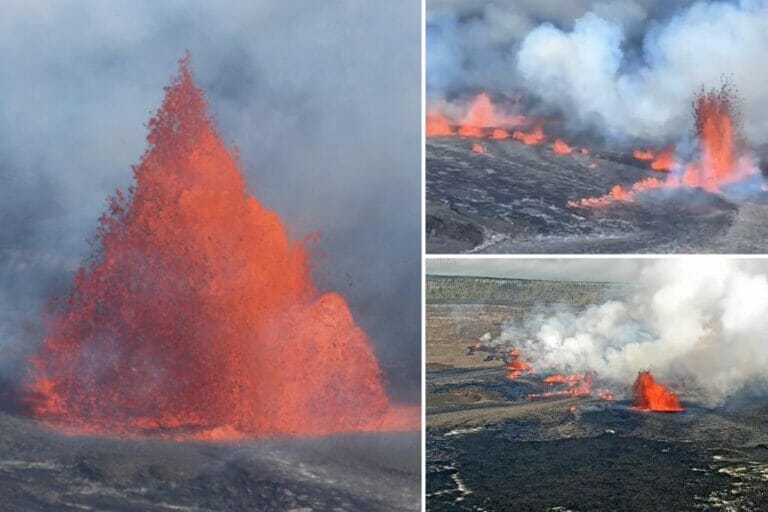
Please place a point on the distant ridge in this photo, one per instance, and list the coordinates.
(442, 289)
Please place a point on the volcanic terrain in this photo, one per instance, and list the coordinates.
(492, 446)
(45, 470)
(513, 198)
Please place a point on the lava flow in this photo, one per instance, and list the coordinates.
(652, 396)
(197, 317)
(561, 147)
(575, 385)
(664, 160)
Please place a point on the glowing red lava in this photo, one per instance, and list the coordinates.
(438, 124)
(575, 385)
(652, 396)
(197, 317)
(517, 366)
(561, 147)
(531, 138)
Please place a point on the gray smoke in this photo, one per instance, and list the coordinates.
(321, 99)
(696, 320)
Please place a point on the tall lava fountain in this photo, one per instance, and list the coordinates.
(196, 313)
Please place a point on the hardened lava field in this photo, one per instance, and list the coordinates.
(493, 446)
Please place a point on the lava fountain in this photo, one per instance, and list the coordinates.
(723, 157)
(196, 316)
(652, 396)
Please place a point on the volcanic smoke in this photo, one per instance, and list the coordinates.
(197, 315)
(652, 396)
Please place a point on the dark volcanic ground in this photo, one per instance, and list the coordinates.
(513, 199)
(490, 448)
(41, 470)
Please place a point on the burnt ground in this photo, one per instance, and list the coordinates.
(513, 199)
(490, 447)
(42, 470)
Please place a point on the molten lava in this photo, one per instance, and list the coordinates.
(532, 138)
(664, 160)
(719, 142)
(478, 148)
(561, 147)
(482, 118)
(438, 124)
(482, 113)
(652, 396)
(618, 193)
(643, 154)
(518, 366)
(197, 315)
(499, 134)
(575, 385)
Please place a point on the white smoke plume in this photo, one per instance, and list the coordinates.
(624, 69)
(703, 321)
(587, 73)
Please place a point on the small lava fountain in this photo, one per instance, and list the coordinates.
(652, 396)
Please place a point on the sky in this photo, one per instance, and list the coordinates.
(322, 100)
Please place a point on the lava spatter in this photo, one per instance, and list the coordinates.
(196, 313)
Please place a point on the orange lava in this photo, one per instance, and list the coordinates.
(532, 138)
(652, 396)
(576, 385)
(643, 154)
(438, 124)
(618, 193)
(482, 113)
(196, 316)
(719, 141)
(561, 147)
(604, 394)
(470, 131)
(499, 133)
(664, 159)
(478, 148)
(518, 366)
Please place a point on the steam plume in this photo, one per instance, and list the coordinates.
(702, 321)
